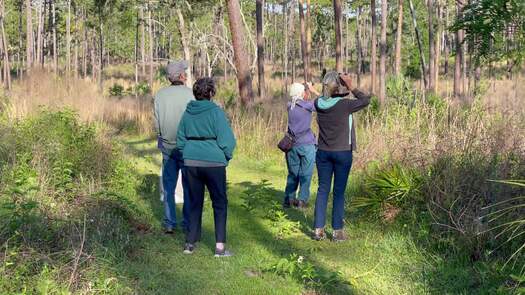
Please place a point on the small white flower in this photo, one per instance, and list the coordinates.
(300, 259)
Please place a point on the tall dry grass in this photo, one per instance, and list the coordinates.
(44, 89)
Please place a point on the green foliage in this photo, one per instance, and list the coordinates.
(142, 89)
(260, 199)
(391, 187)
(298, 268)
(116, 90)
(63, 186)
(508, 220)
(488, 23)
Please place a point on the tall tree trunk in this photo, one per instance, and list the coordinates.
(373, 53)
(68, 38)
(55, 50)
(338, 35)
(185, 39)
(142, 41)
(137, 49)
(431, 47)
(304, 49)
(39, 31)
(151, 44)
(309, 39)
(4, 49)
(260, 47)
(437, 47)
(358, 46)
(399, 37)
(244, 77)
(458, 60)
(382, 64)
(446, 42)
(29, 35)
(419, 45)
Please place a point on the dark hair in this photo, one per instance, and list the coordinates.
(204, 88)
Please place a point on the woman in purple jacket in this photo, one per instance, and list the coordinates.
(301, 158)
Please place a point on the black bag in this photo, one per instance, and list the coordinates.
(286, 143)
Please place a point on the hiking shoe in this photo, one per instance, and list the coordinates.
(295, 203)
(189, 248)
(302, 204)
(339, 236)
(319, 234)
(286, 203)
(168, 230)
(223, 253)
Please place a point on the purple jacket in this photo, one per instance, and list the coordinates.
(299, 122)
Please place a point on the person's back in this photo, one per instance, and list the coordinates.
(170, 105)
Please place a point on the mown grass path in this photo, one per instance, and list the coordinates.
(374, 261)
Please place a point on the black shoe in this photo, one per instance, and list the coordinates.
(294, 203)
(286, 203)
(168, 231)
(188, 248)
(223, 253)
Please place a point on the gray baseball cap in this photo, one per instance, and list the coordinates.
(175, 68)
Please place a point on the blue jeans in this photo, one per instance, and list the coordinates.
(330, 165)
(172, 163)
(300, 161)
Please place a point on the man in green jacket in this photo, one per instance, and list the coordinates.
(170, 104)
(207, 143)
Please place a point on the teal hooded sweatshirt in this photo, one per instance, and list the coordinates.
(205, 134)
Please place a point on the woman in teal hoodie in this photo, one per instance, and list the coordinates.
(207, 144)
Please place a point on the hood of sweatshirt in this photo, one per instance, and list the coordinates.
(325, 103)
(200, 106)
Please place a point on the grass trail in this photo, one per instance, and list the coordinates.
(374, 261)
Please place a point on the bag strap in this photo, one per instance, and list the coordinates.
(202, 138)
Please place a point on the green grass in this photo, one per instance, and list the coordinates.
(378, 259)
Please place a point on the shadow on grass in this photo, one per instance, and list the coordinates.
(283, 248)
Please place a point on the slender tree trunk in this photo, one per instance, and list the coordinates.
(446, 43)
(39, 31)
(29, 35)
(382, 64)
(244, 77)
(260, 47)
(151, 44)
(68, 38)
(185, 46)
(338, 35)
(4, 49)
(373, 53)
(55, 50)
(309, 39)
(285, 45)
(399, 38)
(419, 45)
(431, 47)
(137, 49)
(358, 46)
(142, 41)
(458, 63)
(304, 49)
(437, 47)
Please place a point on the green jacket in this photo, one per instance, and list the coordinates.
(205, 133)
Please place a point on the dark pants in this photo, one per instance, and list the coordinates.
(330, 165)
(172, 162)
(214, 178)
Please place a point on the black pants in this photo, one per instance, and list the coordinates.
(214, 178)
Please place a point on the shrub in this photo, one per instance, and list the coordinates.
(116, 90)
(63, 187)
(387, 190)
